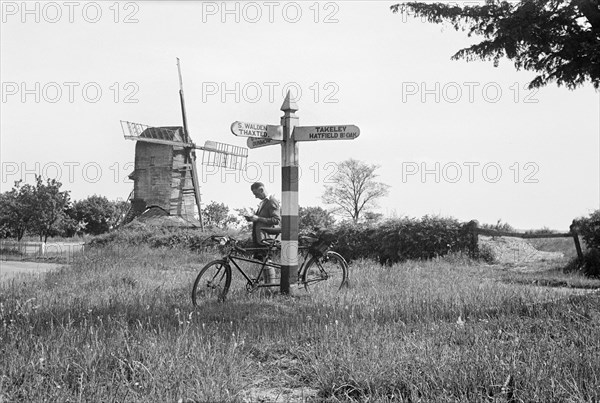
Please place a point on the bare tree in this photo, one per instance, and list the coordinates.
(354, 189)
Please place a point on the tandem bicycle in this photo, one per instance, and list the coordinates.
(321, 269)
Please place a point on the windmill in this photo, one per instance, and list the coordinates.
(165, 178)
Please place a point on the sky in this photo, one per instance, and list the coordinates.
(451, 138)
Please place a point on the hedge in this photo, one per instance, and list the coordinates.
(139, 233)
(387, 242)
(402, 239)
(589, 229)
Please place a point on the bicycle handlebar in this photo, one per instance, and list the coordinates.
(229, 240)
(222, 239)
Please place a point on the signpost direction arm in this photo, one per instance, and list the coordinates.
(331, 132)
(289, 196)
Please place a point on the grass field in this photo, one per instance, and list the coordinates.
(118, 325)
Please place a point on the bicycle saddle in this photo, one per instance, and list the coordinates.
(272, 230)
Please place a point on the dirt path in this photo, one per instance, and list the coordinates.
(515, 251)
(11, 269)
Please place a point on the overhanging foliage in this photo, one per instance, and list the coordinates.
(557, 39)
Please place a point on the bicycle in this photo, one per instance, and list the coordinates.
(321, 268)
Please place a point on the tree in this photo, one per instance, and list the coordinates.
(354, 189)
(310, 218)
(121, 209)
(50, 208)
(240, 221)
(499, 226)
(372, 217)
(17, 208)
(558, 39)
(217, 215)
(96, 214)
(70, 226)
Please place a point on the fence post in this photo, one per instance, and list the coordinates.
(22, 248)
(573, 229)
(474, 238)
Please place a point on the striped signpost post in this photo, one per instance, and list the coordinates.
(289, 195)
(288, 134)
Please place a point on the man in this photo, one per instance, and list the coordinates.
(267, 215)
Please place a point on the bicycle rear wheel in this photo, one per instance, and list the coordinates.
(212, 282)
(325, 273)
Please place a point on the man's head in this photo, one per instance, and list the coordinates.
(258, 189)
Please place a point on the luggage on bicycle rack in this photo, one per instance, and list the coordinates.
(322, 244)
(318, 248)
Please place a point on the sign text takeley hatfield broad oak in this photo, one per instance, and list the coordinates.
(339, 132)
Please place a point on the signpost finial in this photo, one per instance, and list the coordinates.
(289, 104)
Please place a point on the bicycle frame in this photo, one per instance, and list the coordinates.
(252, 283)
(215, 278)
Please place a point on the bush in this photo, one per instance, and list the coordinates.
(397, 240)
(10, 250)
(387, 242)
(139, 233)
(499, 226)
(589, 229)
(486, 254)
(541, 231)
(591, 263)
(355, 241)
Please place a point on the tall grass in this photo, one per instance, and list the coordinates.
(118, 325)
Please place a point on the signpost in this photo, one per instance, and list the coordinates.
(257, 130)
(337, 132)
(288, 134)
(254, 142)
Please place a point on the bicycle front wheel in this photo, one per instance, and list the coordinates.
(212, 282)
(325, 273)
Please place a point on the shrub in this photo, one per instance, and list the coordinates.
(10, 250)
(486, 254)
(397, 240)
(139, 233)
(356, 241)
(591, 263)
(387, 242)
(589, 229)
(541, 231)
(499, 226)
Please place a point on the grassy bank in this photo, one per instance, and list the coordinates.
(119, 326)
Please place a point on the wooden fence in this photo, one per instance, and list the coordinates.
(476, 231)
(25, 249)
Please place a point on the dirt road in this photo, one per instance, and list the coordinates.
(12, 269)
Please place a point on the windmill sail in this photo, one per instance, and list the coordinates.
(190, 155)
(224, 155)
(170, 135)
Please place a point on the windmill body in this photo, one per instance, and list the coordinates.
(163, 182)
